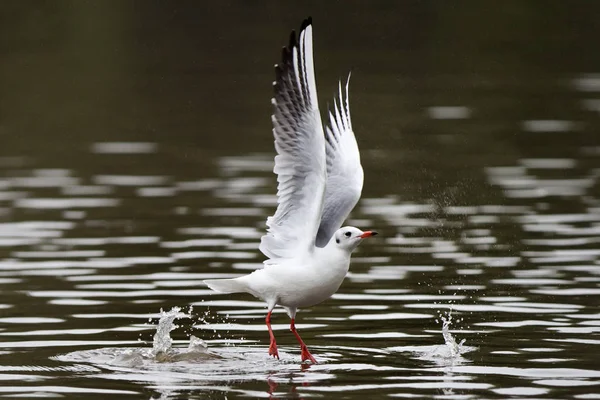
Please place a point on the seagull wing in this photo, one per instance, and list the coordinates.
(344, 172)
(300, 163)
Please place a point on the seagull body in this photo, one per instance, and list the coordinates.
(320, 180)
(294, 283)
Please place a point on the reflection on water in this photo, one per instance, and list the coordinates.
(136, 162)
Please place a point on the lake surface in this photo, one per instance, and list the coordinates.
(135, 161)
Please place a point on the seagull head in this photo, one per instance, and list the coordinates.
(349, 237)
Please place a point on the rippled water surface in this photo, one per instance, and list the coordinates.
(136, 160)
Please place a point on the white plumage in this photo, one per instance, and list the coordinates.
(320, 179)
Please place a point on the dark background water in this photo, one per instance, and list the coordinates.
(478, 124)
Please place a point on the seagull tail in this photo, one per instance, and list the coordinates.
(234, 285)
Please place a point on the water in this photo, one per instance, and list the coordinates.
(135, 161)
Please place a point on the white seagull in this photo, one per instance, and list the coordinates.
(320, 180)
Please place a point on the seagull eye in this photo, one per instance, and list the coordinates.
(337, 240)
(347, 234)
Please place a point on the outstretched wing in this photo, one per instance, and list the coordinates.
(344, 172)
(300, 144)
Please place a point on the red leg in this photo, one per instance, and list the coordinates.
(273, 345)
(305, 354)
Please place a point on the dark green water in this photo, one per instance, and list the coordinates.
(136, 158)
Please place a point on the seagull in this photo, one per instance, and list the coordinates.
(320, 180)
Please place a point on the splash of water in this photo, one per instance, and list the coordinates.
(454, 352)
(162, 350)
(454, 349)
(450, 353)
(162, 340)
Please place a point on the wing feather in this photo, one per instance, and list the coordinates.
(300, 163)
(344, 171)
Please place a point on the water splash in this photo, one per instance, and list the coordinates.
(453, 355)
(162, 340)
(448, 354)
(454, 349)
(162, 350)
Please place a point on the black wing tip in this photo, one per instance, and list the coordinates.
(293, 42)
(306, 23)
(287, 55)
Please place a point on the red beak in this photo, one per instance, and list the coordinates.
(367, 234)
